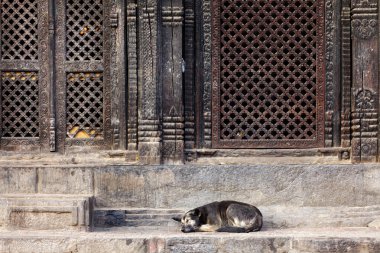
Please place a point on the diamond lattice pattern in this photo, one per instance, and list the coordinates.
(19, 29)
(84, 105)
(19, 104)
(268, 69)
(84, 30)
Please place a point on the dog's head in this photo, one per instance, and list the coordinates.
(190, 221)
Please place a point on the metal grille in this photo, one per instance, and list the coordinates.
(19, 26)
(267, 70)
(19, 104)
(84, 30)
(84, 105)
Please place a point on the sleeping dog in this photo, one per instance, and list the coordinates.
(224, 216)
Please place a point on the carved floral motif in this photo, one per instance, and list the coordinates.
(364, 99)
(364, 28)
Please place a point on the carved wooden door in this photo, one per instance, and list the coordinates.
(55, 74)
(83, 73)
(268, 73)
(24, 78)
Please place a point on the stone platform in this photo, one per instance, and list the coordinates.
(307, 207)
(169, 240)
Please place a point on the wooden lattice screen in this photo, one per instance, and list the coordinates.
(268, 74)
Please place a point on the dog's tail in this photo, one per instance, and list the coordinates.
(229, 229)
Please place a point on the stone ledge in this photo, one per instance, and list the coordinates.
(187, 186)
(45, 212)
(275, 217)
(169, 240)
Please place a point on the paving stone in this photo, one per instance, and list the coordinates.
(168, 240)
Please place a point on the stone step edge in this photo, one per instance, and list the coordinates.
(161, 241)
(274, 216)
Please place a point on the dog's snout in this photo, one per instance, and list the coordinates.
(187, 229)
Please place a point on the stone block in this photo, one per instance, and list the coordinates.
(188, 186)
(65, 180)
(18, 180)
(45, 212)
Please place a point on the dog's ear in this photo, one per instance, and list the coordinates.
(177, 218)
(197, 212)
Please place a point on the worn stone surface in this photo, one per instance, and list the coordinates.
(45, 212)
(168, 240)
(188, 186)
(18, 179)
(275, 217)
(66, 180)
(375, 224)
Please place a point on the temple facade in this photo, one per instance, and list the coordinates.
(169, 81)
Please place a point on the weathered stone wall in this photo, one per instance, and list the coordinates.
(188, 186)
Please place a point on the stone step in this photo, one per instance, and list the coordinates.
(170, 240)
(274, 217)
(150, 223)
(45, 212)
(135, 217)
(142, 211)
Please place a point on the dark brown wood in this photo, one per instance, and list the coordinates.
(101, 74)
(268, 74)
(172, 96)
(132, 74)
(365, 80)
(24, 76)
(84, 81)
(346, 74)
(189, 78)
(150, 85)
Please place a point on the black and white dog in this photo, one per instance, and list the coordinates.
(224, 216)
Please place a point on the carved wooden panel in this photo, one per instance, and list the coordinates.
(84, 30)
(268, 74)
(24, 79)
(19, 28)
(19, 104)
(84, 105)
(83, 73)
(365, 80)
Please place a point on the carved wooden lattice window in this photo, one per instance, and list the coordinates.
(84, 35)
(268, 73)
(19, 25)
(84, 105)
(21, 65)
(84, 90)
(19, 104)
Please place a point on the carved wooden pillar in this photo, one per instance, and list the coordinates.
(333, 60)
(189, 78)
(365, 78)
(149, 132)
(346, 73)
(52, 125)
(206, 18)
(118, 74)
(172, 93)
(132, 77)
